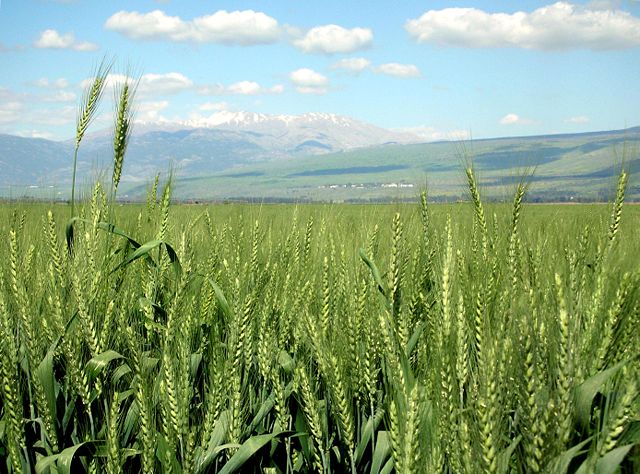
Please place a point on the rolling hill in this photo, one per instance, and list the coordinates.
(321, 157)
(571, 167)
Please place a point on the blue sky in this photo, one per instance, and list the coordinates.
(441, 69)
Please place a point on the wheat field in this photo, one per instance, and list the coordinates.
(231, 338)
(461, 338)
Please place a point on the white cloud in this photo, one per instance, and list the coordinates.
(10, 111)
(112, 80)
(240, 88)
(212, 89)
(243, 28)
(332, 39)
(51, 39)
(244, 88)
(430, 133)
(150, 111)
(514, 119)
(213, 106)
(12, 106)
(308, 81)
(62, 116)
(60, 96)
(238, 27)
(398, 70)
(277, 89)
(579, 119)
(55, 90)
(35, 134)
(353, 65)
(44, 83)
(559, 26)
(357, 65)
(149, 84)
(253, 88)
(162, 84)
(308, 77)
(26, 110)
(154, 25)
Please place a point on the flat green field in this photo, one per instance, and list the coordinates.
(320, 338)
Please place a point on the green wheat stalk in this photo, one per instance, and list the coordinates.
(86, 113)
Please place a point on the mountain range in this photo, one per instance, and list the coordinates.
(194, 148)
(319, 156)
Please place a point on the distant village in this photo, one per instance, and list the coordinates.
(366, 186)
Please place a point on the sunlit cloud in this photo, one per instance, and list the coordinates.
(560, 26)
(149, 111)
(51, 39)
(332, 39)
(149, 84)
(308, 81)
(242, 28)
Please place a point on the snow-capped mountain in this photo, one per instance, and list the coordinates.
(195, 147)
(307, 133)
(226, 118)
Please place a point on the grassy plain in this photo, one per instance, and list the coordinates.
(328, 338)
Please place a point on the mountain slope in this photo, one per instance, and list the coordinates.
(564, 167)
(30, 160)
(319, 132)
(194, 148)
(324, 157)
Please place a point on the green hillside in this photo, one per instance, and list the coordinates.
(580, 167)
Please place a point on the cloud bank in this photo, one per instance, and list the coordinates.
(242, 28)
(333, 39)
(560, 26)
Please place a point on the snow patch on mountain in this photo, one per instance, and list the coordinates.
(312, 132)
